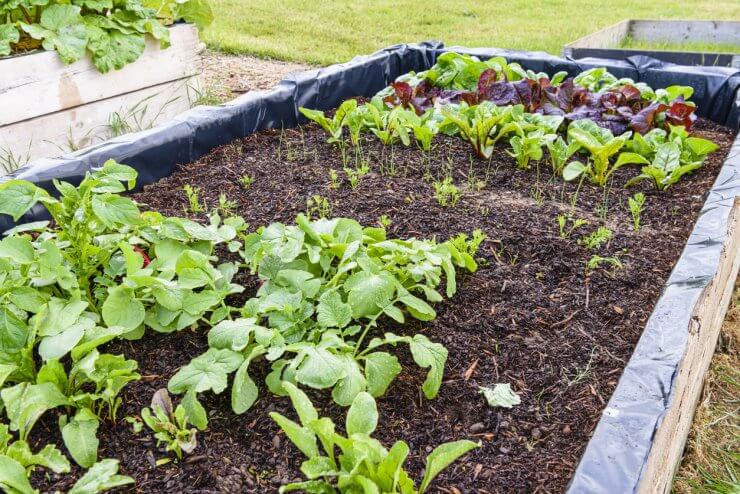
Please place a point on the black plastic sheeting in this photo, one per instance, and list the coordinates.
(617, 453)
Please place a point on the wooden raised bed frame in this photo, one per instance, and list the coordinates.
(47, 104)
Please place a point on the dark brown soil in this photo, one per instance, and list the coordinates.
(530, 316)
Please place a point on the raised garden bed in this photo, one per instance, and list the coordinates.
(680, 42)
(533, 315)
(68, 107)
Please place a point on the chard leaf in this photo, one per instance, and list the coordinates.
(441, 457)
(362, 416)
(431, 355)
(25, 403)
(380, 370)
(79, 436)
(501, 395)
(101, 477)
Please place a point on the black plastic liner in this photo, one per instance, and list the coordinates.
(617, 453)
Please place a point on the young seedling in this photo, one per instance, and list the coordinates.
(596, 262)
(318, 206)
(170, 426)
(226, 207)
(334, 182)
(193, 195)
(637, 205)
(597, 238)
(246, 181)
(385, 221)
(575, 223)
(471, 246)
(364, 465)
(446, 193)
(354, 176)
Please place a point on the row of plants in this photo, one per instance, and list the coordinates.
(112, 32)
(102, 269)
(590, 125)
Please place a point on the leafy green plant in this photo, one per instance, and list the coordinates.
(666, 157)
(636, 205)
(325, 286)
(334, 182)
(384, 221)
(469, 247)
(575, 223)
(355, 175)
(560, 152)
(363, 464)
(529, 147)
(446, 193)
(477, 124)
(597, 261)
(318, 206)
(597, 238)
(332, 126)
(113, 33)
(170, 425)
(246, 181)
(601, 145)
(193, 195)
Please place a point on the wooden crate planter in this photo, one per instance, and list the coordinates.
(606, 42)
(49, 108)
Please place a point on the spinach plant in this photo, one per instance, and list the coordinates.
(362, 464)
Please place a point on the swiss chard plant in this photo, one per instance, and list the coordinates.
(112, 32)
(332, 126)
(356, 462)
(601, 145)
(170, 425)
(325, 286)
(529, 147)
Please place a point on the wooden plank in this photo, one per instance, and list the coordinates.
(724, 32)
(706, 322)
(67, 130)
(608, 37)
(27, 92)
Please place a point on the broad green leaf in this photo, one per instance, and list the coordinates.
(8, 34)
(631, 158)
(431, 355)
(100, 477)
(441, 457)
(318, 466)
(57, 346)
(319, 368)
(18, 196)
(112, 50)
(332, 312)
(17, 249)
(368, 293)
(206, 372)
(418, 308)
(13, 477)
(701, 147)
(121, 308)
(380, 370)
(301, 403)
(114, 210)
(49, 457)
(194, 410)
(501, 395)
(79, 436)
(244, 391)
(351, 384)
(304, 439)
(391, 467)
(573, 170)
(13, 332)
(362, 416)
(25, 403)
(232, 335)
(61, 29)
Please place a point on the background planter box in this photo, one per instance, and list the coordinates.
(49, 108)
(606, 42)
(642, 430)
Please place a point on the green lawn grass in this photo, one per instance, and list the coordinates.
(696, 46)
(330, 31)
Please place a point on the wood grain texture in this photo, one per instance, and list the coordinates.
(706, 322)
(39, 83)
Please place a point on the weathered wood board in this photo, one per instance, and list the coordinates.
(49, 108)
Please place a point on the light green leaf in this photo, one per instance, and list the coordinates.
(8, 34)
(501, 395)
(206, 372)
(79, 436)
(101, 477)
(18, 196)
(13, 477)
(381, 369)
(244, 391)
(17, 249)
(441, 457)
(573, 170)
(332, 312)
(194, 410)
(362, 416)
(319, 368)
(25, 403)
(351, 384)
(121, 308)
(302, 404)
(431, 355)
(114, 209)
(304, 439)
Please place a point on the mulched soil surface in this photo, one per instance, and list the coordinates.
(530, 316)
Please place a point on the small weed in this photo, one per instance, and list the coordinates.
(471, 246)
(193, 195)
(246, 181)
(225, 206)
(581, 373)
(385, 221)
(211, 95)
(318, 206)
(446, 193)
(597, 238)
(575, 223)
(597, 261)
(334, 182)
(637, 205)
(355, 175)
